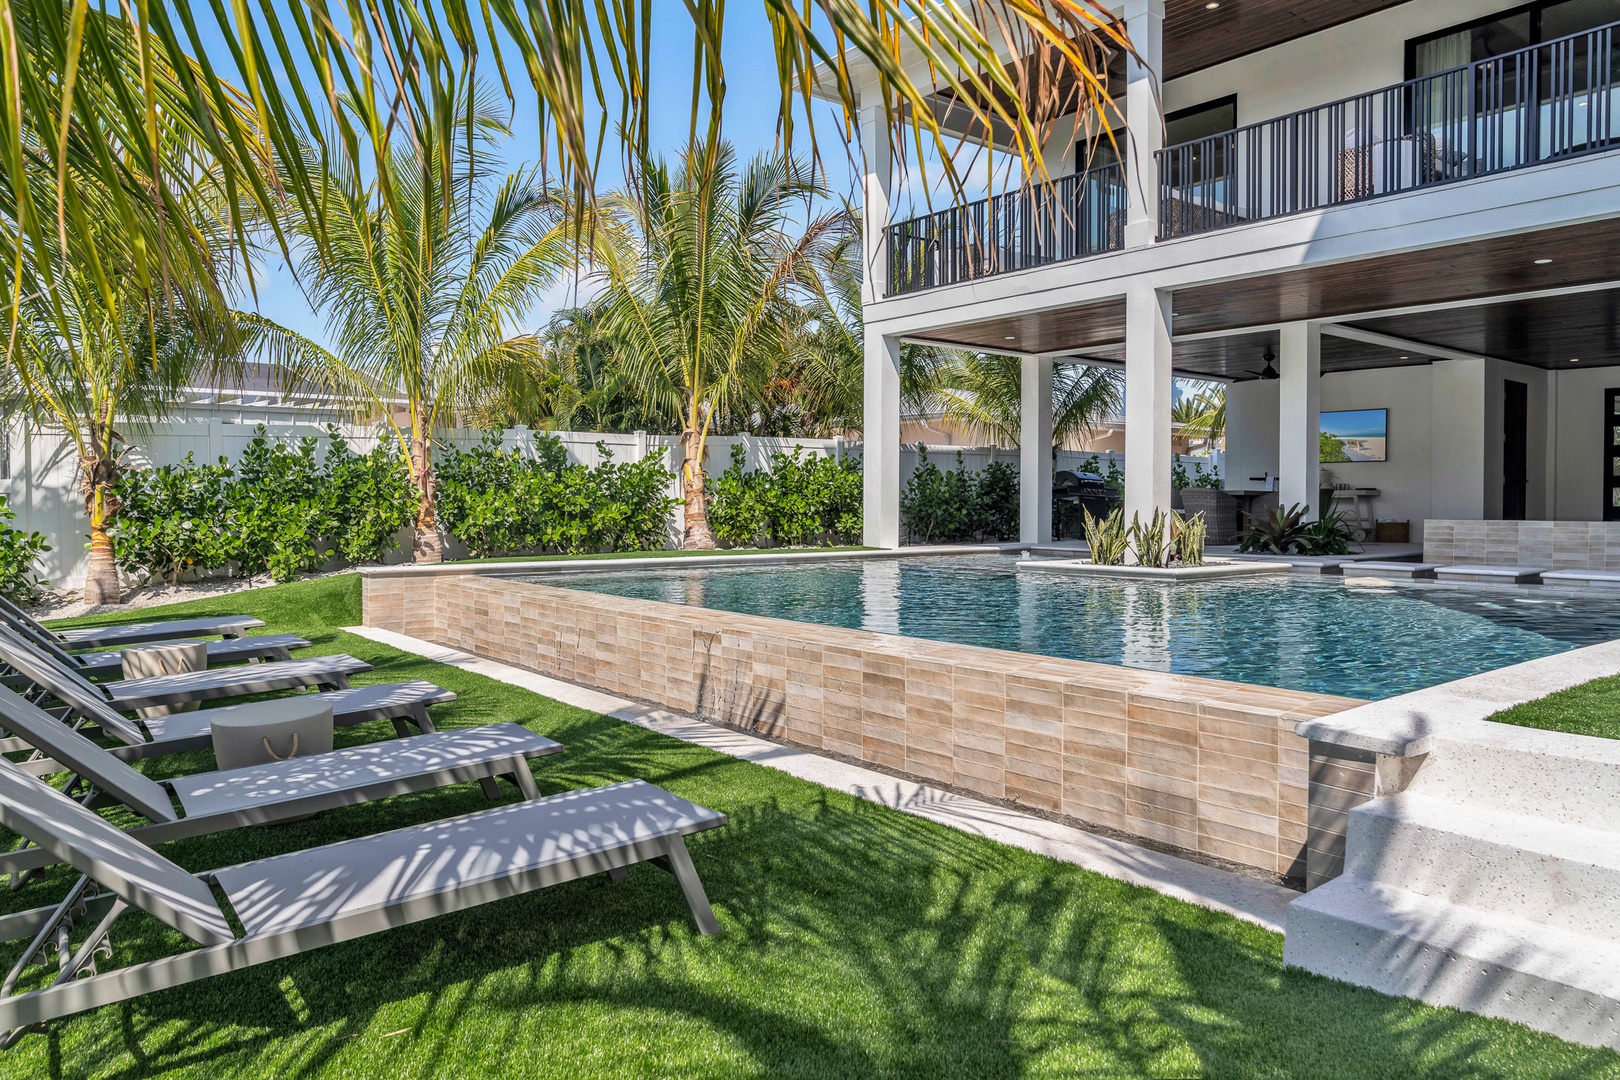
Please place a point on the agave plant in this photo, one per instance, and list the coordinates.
(1108, 538)
(1275, 533)
(1328, 536)
(1154, 542)
(1190, 535)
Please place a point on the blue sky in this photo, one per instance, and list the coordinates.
(751, 105)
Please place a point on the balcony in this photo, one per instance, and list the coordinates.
(1069, 218)
(1544, 103)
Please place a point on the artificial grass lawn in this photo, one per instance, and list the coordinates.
(673, 553)
(1591, 708)
(857, 941)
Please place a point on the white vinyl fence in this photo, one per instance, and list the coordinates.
(39, 471)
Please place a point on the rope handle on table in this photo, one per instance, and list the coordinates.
(276, 757)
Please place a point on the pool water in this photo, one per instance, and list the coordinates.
(1324, 635)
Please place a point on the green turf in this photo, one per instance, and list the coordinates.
(1591, 708)
(857, 942)
(662, 554)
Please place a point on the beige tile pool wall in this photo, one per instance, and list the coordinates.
(1214, 767)
(1550, 545)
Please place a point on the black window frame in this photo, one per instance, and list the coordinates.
(1534, 9)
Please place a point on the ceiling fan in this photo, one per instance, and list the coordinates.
(1269, 372)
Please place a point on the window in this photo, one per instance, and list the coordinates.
(1183, 125)
(1505, 32)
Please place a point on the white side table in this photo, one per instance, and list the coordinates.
(1362, 522)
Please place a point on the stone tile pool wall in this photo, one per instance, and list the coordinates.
(1209, 766)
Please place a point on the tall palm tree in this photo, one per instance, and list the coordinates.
(84, 95)
(700, 286)
(1201, 412)
(421, 302)
(117, 255)
(983, 393)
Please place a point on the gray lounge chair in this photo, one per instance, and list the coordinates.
(32, 662)
(279, 791)
(103, 637)
(291, 903)
(252, 650)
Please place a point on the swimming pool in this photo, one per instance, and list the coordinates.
(1323, 635)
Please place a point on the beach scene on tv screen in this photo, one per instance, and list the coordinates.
(1355, 435)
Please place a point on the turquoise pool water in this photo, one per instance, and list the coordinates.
(1316, 634)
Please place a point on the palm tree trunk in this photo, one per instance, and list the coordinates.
(696, 536)
(428, 541)
(101, 507)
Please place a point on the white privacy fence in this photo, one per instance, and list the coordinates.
(39, 470)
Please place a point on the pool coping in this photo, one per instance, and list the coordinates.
(654, 561)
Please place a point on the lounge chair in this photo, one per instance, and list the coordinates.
(109, 663)
(88, 709)
(103, 637)
(278, 791)
(290, 903)
(33, 664)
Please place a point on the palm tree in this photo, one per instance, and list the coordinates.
(984, 393)
(700, 287)
(1202, 414)
(122, 365)
(88, 94)
(420, 302)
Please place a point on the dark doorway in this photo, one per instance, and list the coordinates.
(1611, 455)
(1515, 449)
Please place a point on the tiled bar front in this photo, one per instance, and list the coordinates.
(1210, 766)
(1549, 545)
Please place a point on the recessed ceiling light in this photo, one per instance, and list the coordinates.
(1574, 359)
(1406, 358)
(1212, 5)
(1543, 262)
(1010, 337)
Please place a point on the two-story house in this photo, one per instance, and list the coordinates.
(1406, 208)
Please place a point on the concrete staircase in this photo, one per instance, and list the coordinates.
(1490, 882)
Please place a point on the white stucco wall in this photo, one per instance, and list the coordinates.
(1445, 438)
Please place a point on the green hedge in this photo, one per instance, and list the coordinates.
(19, 551)
(947, 507)
(279, 510)
(797, 502)
(504, 502)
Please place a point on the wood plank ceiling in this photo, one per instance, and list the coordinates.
(1196, 36)
(1546, 331)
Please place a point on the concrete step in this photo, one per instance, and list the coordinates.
(1491, 575)
(1563, 778)
(1557, 875)
(1401, 943)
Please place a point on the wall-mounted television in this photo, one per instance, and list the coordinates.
(1355, 435)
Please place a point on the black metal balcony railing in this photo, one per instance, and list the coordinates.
(1070, 218)
(1522, 108)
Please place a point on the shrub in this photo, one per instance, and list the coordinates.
(502, 502)
(19, 550)
(279, 510)
(172, 520)
(946, 507)
(798, 501)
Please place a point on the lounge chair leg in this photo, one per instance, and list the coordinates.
(619, 873)
(492, 791)
(419, 714)
(401, 728)
(524, 779)
(680, 864)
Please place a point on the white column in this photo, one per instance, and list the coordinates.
(880, 450)
(877, 152)
(1144, 117)
(1147, 402)
(1035, 451)
(1299, 422)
